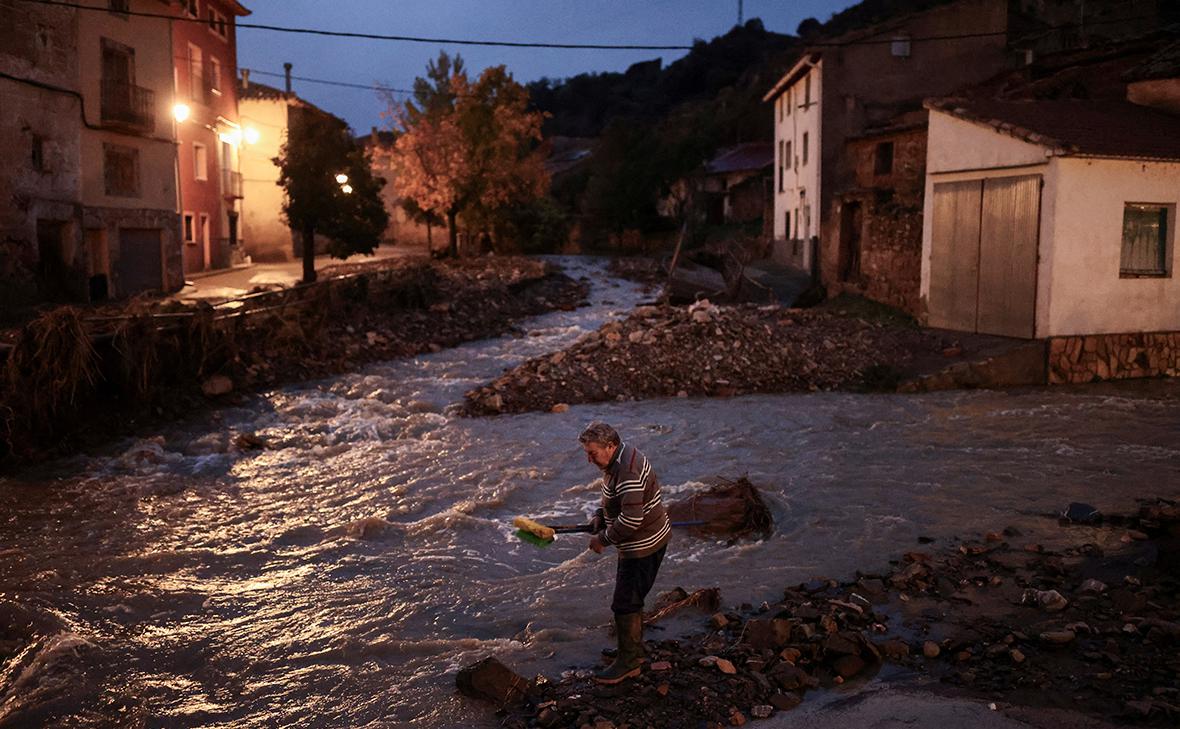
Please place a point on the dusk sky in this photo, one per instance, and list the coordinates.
(395, 64)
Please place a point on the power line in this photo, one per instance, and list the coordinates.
(379, 36)
(346, 84)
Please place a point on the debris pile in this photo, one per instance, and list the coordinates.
(1094, 627)
(150, 359)
(702, 349)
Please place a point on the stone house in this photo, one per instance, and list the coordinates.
(878, 222)
(848, 86)
(210, 134)
(1056, 219)
(85, 105)
(736, 183)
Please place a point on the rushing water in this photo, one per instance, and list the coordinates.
(341, 578)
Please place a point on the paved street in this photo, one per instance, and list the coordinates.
(240, 281)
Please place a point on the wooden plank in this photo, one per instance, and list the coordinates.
(1009, 232)
(954, 255)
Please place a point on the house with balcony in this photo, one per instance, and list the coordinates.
(85, 101)
(208, 132)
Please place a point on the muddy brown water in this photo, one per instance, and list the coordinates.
(343, 577)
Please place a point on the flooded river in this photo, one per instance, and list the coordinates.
(343, 577)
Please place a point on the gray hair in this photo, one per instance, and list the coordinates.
(599, 433)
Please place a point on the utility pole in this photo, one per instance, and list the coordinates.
(740, 14)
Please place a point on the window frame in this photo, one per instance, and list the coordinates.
(901, 46)
(878, 168)
(188, 227)
(1166, 241)
(200, 162)
(135, 183)
(214, 75)
(805, 146)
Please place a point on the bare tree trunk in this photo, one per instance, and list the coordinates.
(308, 254)
(453, 232)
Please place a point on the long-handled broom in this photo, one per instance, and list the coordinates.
(541, 535)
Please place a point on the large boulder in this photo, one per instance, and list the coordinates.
(490, 680)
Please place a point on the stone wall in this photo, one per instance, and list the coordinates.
(1113, 356)
(877, 252)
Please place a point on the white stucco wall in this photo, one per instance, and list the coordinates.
(264, 234)
(1079, 290)
(1080, 262)
(798, 177)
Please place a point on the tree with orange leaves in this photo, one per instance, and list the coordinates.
(467, 149)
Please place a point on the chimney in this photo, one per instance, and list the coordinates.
(287, 76)
(245, 79)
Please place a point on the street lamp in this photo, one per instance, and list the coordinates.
(180, 112)
(341, 178)
(251, 135)
(346, 189)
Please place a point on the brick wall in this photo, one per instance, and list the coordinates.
(1113, 356)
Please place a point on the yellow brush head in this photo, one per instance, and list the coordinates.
(535, 528)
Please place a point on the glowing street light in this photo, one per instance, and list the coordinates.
(342, 178)
(346, 189)
(180, 112)
(251, 135)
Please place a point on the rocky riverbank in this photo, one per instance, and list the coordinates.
(75, 379)
(1091, 626)
(706, 350)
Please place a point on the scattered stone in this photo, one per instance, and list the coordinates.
(560, 408)
(661, 666)
(217, 385)
(1016, 655)
(761, 711)
(1048, 600)
(1092, 587)
(930, 649)
(1058, 637)
(785, 702)
(490, 680)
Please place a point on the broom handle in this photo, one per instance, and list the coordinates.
(585, 528)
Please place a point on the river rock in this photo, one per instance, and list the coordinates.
(761, 711)
(1058, 637)
(767, 634)
(217, 385)
(560, 408)
(785, 702)
(1049, 600)
(490, 680)
(930, 649)
(1092, 587)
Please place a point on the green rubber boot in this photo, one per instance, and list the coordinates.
(629, 661)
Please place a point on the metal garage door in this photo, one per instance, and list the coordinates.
(983, 258)
(139, 266)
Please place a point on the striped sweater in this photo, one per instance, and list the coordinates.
(636, 522)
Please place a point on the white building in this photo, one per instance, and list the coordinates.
(797, 115)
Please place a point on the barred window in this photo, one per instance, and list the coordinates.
(1145, 240)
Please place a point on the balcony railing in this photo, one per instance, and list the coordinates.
(127, 105)
(231, 184)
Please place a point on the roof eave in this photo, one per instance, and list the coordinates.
(809, 59)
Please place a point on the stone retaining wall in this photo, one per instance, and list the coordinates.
(1113, 356)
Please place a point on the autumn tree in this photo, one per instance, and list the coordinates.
(351, 213)
(467, 148)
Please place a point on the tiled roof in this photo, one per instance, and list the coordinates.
(1164, 64)
(259, 91)
(742, 158)
(1106, 128)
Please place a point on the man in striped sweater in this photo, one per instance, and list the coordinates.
(633, 520)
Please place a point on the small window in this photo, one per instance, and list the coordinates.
(1145, 240)
(120, 6)
(200, 162)
(899, 47)
(789, 97)
(807, 91)
(38, 153)
(787, 224)
(120, 170)
(215, 76)
(192, 7)
(781, 162)
(805, 145)
(189, 230)
(217, 22)
(790, 159)
(795, 234)
(883, 159)
(196, 73)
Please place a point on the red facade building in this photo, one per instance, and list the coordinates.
(208, 132)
